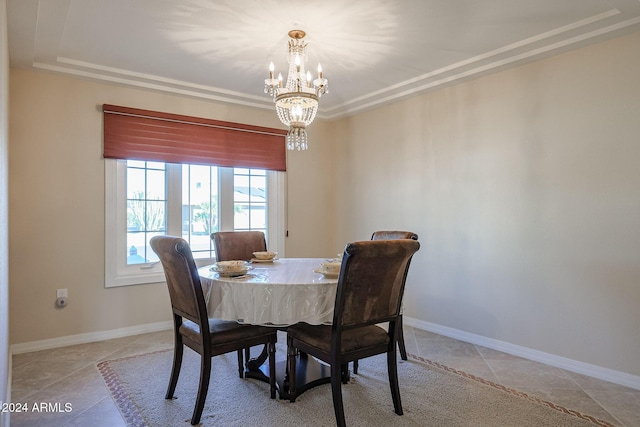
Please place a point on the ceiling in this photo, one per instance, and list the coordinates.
(372, 51)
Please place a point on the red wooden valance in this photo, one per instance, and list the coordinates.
(131, 133)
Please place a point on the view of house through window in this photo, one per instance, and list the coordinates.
(200, 215)
(209, 196)
(250, 199)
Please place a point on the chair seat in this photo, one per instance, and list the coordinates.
(319, 336)
(223, 331)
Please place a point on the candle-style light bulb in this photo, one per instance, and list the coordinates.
(308, 79)
(319, 71)
(297, 62)
(271, 68)
(280, 79)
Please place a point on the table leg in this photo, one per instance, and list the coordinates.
(309, 373)
(256, 367)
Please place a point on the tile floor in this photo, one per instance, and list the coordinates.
(69, 375)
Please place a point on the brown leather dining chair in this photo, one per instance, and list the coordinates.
(370, 289)
(238, 245)
(393, 235)
(192, 326)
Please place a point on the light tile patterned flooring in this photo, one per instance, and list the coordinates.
(69, 375)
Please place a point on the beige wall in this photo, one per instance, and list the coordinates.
(5, 379)
(524, 188)
(311, 200)
(56, 208)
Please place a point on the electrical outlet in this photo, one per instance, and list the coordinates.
(62, 293)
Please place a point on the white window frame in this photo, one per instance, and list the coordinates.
(118, 273)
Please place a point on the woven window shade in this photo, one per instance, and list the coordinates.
(131, 133)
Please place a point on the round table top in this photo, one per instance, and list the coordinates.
(283, 292)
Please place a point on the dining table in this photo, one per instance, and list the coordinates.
(277, 293)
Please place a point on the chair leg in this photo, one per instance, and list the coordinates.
(175, 369)
(272, 369)
(336, 393)
(392, 370)
(344, 373)
(240, 364)
(291, 362)
(247, 354)
(401, 346)
(205, 374)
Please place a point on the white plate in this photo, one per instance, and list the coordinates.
(263, 261)
(231, 273)
(327, 274)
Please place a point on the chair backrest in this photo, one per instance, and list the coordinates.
(237, 245)
(372, 281)
(393, 235)
(183, 281)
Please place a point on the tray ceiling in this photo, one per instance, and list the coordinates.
(372, 51)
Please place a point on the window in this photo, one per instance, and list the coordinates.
(145, 199)
(250, 199)
(146, 207)
(200, 215)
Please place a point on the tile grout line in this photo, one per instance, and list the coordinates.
(75, 416)
(486, 362)
(592, 398)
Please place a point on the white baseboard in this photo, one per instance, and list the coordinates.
(606, 374)
(89, 337)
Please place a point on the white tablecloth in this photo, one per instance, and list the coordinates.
(281, 293)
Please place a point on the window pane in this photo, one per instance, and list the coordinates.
(135, 215)
(135, 183)
(199, 208)
(241, 188)
(250, 197)
(146, 208)
(259, 216)
(155, 185)
(136, 248)
(257, 191)
(155, 214)
(139, 250)
(156, 165)
(136, 163)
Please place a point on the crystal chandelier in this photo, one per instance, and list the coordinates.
(297, 101)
